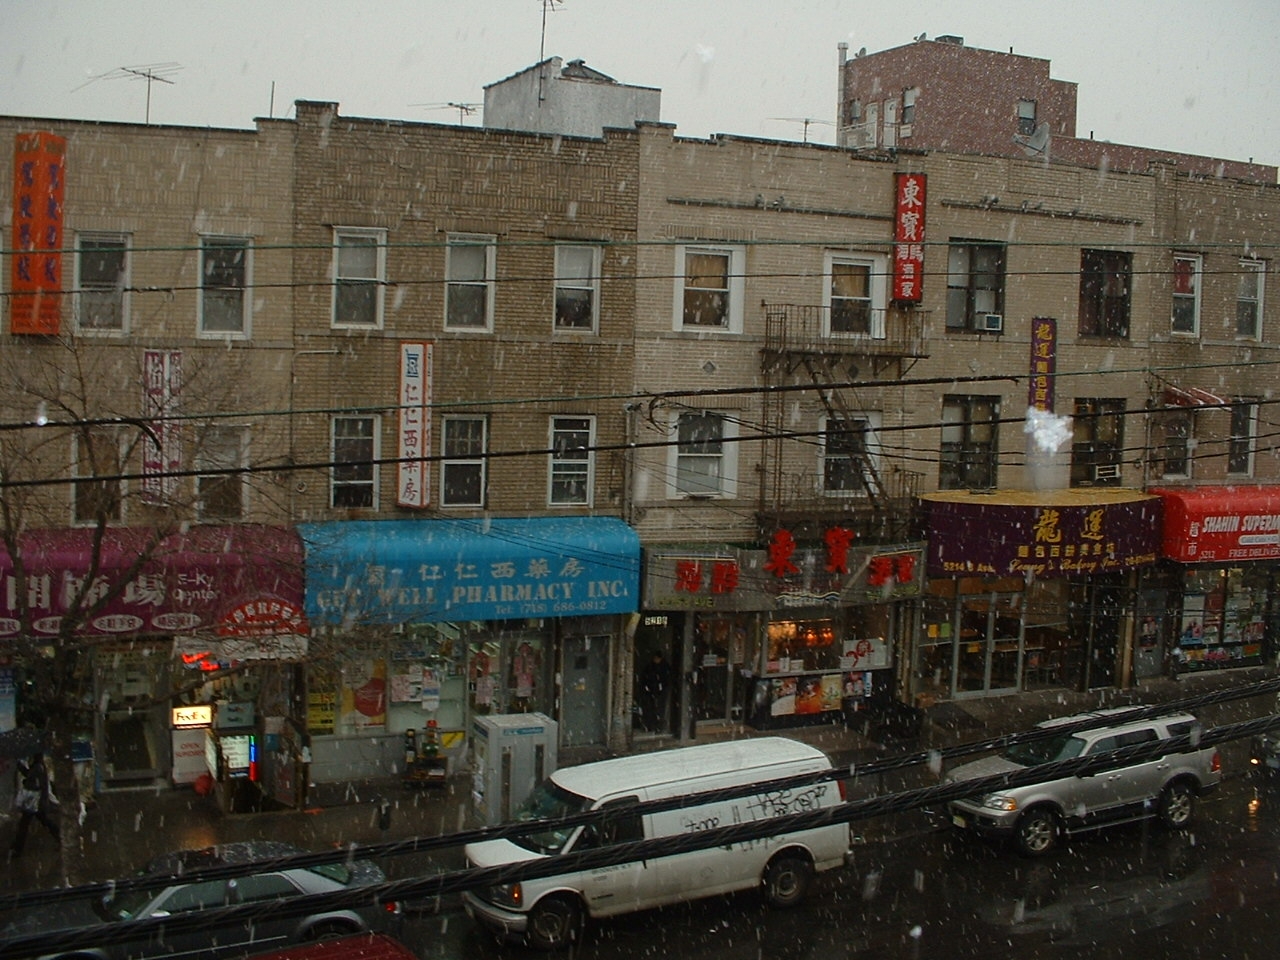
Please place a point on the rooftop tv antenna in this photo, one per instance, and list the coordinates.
(464, 109)
(542, 42)
(804, 120)
(150, 72)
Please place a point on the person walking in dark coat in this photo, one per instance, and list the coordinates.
(32, 799)
(654, 682)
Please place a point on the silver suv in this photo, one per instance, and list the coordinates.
(1037, 815)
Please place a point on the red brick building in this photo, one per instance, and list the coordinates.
(942, 95)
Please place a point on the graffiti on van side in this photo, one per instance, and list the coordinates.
(689, 825)
(779, 803)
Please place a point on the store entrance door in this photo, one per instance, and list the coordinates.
(717, 647)
(583, 699)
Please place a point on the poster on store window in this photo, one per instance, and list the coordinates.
(430, 690)
(364, 695)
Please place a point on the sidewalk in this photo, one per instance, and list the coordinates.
(126, 829)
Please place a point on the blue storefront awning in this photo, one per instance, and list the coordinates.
(420, 571)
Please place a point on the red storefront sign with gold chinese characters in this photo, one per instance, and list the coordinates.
(908, 237)
(35, 277)
(1044, 358)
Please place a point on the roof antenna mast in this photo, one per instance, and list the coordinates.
(542, 44)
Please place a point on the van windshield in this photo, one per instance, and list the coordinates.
(548, 802)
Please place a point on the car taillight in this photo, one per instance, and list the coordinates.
(844, 791)
(1216, 763)
(392, 906)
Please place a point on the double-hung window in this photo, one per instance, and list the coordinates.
(571, 464)
(1026, 117)
(975, 284)
(225, 277)
(1176, 428)
(1187, 269)
(98, 457)
(967, 459)
(709, 288)
(469, 270)
(102, 282)
(855, 295)
(848, 455)
(354, 475)
(1106, 277)
(1244, 434)
(464, 442)
(359, 276)
(1253, 274)
(705, 463)
(220, 493)
(1097, 443)
(909, 107)
(577, 287)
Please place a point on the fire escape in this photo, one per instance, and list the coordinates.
(800, 348)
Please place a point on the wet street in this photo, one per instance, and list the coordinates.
(1133, 892)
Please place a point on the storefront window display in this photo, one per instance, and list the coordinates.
(427, 678)
(1223, 617)
(509, 672)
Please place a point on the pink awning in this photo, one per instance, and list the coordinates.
(1192, 397)
(240, 580)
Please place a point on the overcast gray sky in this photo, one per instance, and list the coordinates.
(1181, 75)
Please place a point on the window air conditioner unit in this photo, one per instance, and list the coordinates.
(991, 323)
(1106, 471)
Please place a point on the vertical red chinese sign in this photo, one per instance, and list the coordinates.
(39, 188)
(908, 237)
(1044, 359)
(414, 473)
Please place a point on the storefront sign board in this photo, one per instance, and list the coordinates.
(1221, 524)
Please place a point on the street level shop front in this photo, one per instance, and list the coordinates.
(792, 635)
(446, 620)
(167, 612)
(1214, 600)
(1031, 589)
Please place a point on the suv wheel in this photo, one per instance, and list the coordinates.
(1177, 805)
(1037, 832)
(786, 880)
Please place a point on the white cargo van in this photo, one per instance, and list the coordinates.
(548, 912)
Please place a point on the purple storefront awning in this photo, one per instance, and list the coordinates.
(1050, 533)
(229, 581)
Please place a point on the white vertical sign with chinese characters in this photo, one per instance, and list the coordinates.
(162, 447)
(413, 484)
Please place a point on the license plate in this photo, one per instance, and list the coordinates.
(959, 821)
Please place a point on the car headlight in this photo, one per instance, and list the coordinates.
(506, 895)
(997, 801)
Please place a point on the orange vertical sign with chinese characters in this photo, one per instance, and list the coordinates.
(39, 188)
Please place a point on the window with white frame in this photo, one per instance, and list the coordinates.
(359, 276)
(709, 291)
(463, 444)
(1253, 274)
(909, 108)
(571, 464)
(705, 461)
(1187, 270)
(102, 282)
(97, 459)
(975, 283)
(1026, 117)
(469, 270)
(849, 454)
(1244, 433)
(577, 286)
(854, 294)
(224, 280)
(1176, 443)
(354, 473)
(220, 492)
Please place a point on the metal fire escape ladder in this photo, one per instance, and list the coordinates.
(820, 371)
